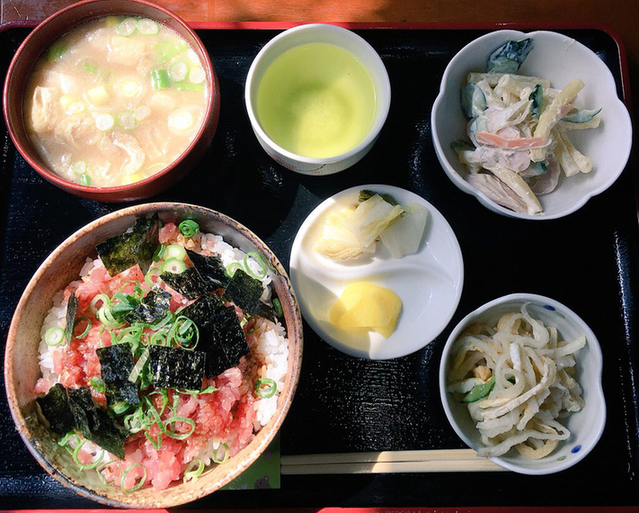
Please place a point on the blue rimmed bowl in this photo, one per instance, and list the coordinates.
(586, 426)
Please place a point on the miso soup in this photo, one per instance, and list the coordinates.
(115, 100)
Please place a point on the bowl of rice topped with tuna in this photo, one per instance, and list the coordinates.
(154, 355)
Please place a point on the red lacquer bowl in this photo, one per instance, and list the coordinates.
(53, 28)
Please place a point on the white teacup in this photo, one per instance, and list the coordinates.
(319, 33)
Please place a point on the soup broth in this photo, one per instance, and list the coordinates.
(115, 101)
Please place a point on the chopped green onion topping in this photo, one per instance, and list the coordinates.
(120, 408)
(75, 108)
(160, 79)
(142, 112)
(197, 75)
(93, 306)
(178, 71)
(53, 337)
(147, 27)
(148, 278)
(265, 388)
(105, 465)
(79, 167)
(104, 122)
(185, 333)
(186, 86)
(173, 265)
(259, 260)
(89, 466)
(179, 436)
(85, 180)
(277, 306)
(128, 87)
(208, 390)
(90, 68)
(139, 365)
(56, 52)
(188, 228)
(175, 251)
(157, 443)
(232, 267)
(86, 329)
(126, 27)
(216, 454)
(193, 470)
(165, 50)
(97, 384)
(64, 441)
(159, 253)
(139, 484)
(127, 120)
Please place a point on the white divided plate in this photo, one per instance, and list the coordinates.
(429, 282)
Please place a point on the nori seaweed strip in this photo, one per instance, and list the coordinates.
(210, 268)
(202, 311)
(119, 393)
(244, 291)
(138, 246)
(55, 408)
(153, 307)
(189, 283)
(266, 311)
(116, 362)
(216, 360)
(95, 424)
(176, 368)
(72, 310)
(224, 341)
(228, 332)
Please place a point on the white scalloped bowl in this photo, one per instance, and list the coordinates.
(586, 426)
(559, 59)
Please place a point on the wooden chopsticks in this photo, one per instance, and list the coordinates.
(445, 460)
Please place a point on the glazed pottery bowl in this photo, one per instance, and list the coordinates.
(22, 368)
(585, 426)
(559, 59)
(53, 28)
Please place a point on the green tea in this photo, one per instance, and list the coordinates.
(316, 100)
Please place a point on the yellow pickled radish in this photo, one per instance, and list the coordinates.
(365, 305)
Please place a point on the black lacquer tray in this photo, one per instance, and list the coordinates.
(587, 261)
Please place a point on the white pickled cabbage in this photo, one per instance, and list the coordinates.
(337, 241)
(371, 217)
(404, 236)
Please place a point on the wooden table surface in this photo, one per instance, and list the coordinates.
(621, 16)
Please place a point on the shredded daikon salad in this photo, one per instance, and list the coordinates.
(517, 379)
(519, 131)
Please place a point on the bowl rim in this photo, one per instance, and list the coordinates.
(294, 334)
(597, 386)
(444, 226)
(51, 176)
(372, 134)
(464, 186)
